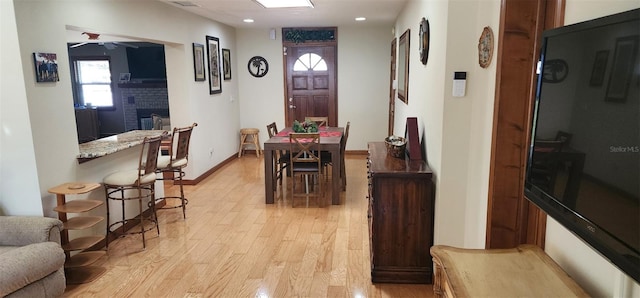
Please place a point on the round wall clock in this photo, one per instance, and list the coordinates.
(424, 41)
(485, 47)
(258, 66)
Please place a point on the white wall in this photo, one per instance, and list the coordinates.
(42, 27)
(468, 120)
(462, 134)
(363, 82)
(19, 193)
(457, 130)
(261, 99)
(593, 272)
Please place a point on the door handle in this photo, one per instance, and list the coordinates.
(292, 106)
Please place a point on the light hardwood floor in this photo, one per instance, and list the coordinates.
(234, 245)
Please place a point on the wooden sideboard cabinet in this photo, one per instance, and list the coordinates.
(401, 208)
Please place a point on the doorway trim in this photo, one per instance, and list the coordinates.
(310, 37)
(511, 218)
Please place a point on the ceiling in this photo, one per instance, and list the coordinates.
(326, 13)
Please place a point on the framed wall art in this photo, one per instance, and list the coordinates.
(46, 67)
(624, 61)
(213, 57)
(403, 67)
(125, 77)
(599, 68)
(226, 64)
(198, 62)
(424, 41)
(258, 66)
(485, 47)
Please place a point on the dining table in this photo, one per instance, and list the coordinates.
(330, 141)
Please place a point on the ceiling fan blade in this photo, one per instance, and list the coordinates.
(125, 44)
(78, 45)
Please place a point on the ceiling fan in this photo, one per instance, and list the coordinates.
(108, 45)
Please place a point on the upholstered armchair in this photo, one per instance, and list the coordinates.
(31, 258)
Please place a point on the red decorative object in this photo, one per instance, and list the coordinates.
(92, 36)
(413, 139)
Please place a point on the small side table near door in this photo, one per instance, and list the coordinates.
(78, 267)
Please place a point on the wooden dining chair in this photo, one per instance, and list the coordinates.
(321, 121)
(280, 158)
(327, 158)
(305, 161)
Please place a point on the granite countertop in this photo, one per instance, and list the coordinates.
(113, 144)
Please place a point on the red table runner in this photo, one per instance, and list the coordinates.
(325, 133)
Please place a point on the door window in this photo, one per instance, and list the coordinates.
(310, 62)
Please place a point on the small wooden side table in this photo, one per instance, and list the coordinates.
(77, 267)
(525, 271)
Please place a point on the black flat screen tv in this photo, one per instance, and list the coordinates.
(583, 166)
(147, 62)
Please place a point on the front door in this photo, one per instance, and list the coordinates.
(311, 83)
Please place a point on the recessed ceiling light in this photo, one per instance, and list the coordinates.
(285, 3)
(248, 20)
(360, 19)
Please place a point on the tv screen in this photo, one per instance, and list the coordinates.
(583, 167)
(146, 62)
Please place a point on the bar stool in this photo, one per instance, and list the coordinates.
(138, 185)
(174, 163)
(249, 136)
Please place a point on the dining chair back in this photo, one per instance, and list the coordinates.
(321, 121)
(272, 129)
(280, 158)
(305, 160)
(327, 159)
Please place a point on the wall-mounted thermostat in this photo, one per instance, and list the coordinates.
(459, 83)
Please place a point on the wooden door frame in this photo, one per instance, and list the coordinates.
(511, 218)
(392, 90)
(333, 43)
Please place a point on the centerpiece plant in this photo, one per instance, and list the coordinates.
(306, 126)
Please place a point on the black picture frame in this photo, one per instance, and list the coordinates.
(599, 68)
(198, 62)
(226, 64)
(622, 65)
(213, 58)
(403, 66)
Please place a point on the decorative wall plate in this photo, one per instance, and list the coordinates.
(485, 47)
(258, 66)
(424, 41)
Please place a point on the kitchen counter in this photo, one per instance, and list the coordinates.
(109, 145)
